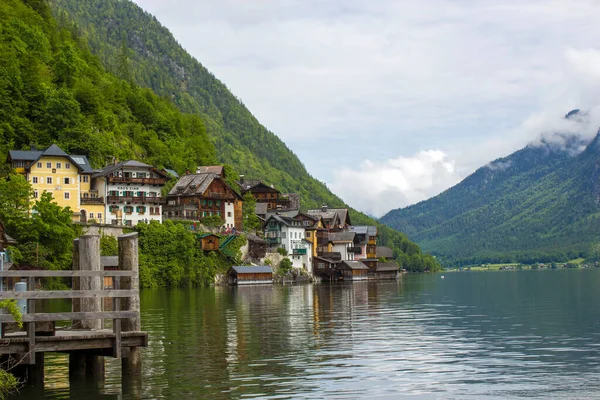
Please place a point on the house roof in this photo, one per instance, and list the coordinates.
(383, 251)
(252, 184)
(53, 151)
(341, 236)
(253, 238)
(214, 169)
(207, 235)
(130, 164)
(171, 172)
(369, 230)
(9, 239)
(109, 261)
(83, 162)
(284, 213)
(331, 216)
(197, 184)
(261, 208)
(388, 266)
(355, 265)
(252, 270)
(294, 199)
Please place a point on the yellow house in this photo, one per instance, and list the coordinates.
(67, 177)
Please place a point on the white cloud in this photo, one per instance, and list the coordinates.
(377, 187)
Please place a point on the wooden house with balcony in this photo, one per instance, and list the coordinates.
(197, 196)
(261, 192)
(366, 239)
(132, 191)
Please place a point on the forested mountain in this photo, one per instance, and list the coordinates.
(53, 89)
(541, 203)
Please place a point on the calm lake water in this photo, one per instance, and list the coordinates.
(472, 335)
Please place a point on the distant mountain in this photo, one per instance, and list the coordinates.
(540, 203)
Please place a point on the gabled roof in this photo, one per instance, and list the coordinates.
(261, 208)
(383, 251)
(355, 265)
(214, 169)
(249, 185)
(255, 239)
(197, 184)
(83, 162)
(332, 217)
(207, 235)
(388, 266)
(34, 155)
(252, 270)
(341, 236)
(171, 172)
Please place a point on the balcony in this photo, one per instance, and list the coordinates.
(355, 250)
(142, 181)
(135, 199)
(92, 201)
(218, 195)
(335, 256)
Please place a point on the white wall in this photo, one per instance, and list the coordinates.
(343, 249)
(229, 210)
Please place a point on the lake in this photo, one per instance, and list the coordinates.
(496, 335)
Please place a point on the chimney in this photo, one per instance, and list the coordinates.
(324, 208)
(187, 172)
(242, 179)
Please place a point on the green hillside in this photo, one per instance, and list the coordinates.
(53, 89)
(538, 204)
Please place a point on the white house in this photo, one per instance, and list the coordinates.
(132, 191)
(343, 243)
(290, 234)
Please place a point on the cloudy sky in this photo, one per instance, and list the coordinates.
(392, 101)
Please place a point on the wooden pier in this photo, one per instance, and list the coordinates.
(85, 339)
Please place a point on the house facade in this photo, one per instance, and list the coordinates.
(290, 234)
(132, 192)
(66, 177)
(197, 196)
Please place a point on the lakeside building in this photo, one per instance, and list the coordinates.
(197, 196)
(334, 219)
(131, 192)
(66, 177)
(290, 234)
(269, 195)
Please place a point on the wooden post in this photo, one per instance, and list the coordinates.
(89, 259)
(31, 325)
(128, 260)
(76, 283)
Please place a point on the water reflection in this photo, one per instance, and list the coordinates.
(472, 335)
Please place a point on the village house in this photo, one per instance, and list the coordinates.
(273, 198)
(334, 219)
(197, 196)
(344, 244)
(5, 239)
(132, 192)
(349, 270)
(209, 242)
(66, 177)
(366, 240)
(289, 234)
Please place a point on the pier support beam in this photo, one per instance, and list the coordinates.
(131, 363)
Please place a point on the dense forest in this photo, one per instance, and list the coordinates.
(134, 46)
(53, 89)
(540, 204)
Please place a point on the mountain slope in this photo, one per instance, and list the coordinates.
(540, 203)
(134, 46)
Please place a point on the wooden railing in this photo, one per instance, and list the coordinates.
(135, 199)
(31, 317)
(92, 200)
(143, 181)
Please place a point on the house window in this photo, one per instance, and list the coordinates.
(67, 165)
(85, 178)
(99, 217)
(67, 181)
(58, 165)
(49, 165)
(39, 165)
(35, 194)
(49, 180)
(34, 179)
(91, 215)
(229, 213)
(67, 195)
(283, 235)
(308, 235)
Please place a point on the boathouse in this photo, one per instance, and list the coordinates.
(244, 275)
(353, 270)
(384, 270)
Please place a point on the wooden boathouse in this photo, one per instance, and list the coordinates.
(352, 270)
(245, 275)
(88, 338)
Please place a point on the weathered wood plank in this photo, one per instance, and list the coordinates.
(62, 274)
(67, 316)
(67, 294)
(20, 345)
(31, 325)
